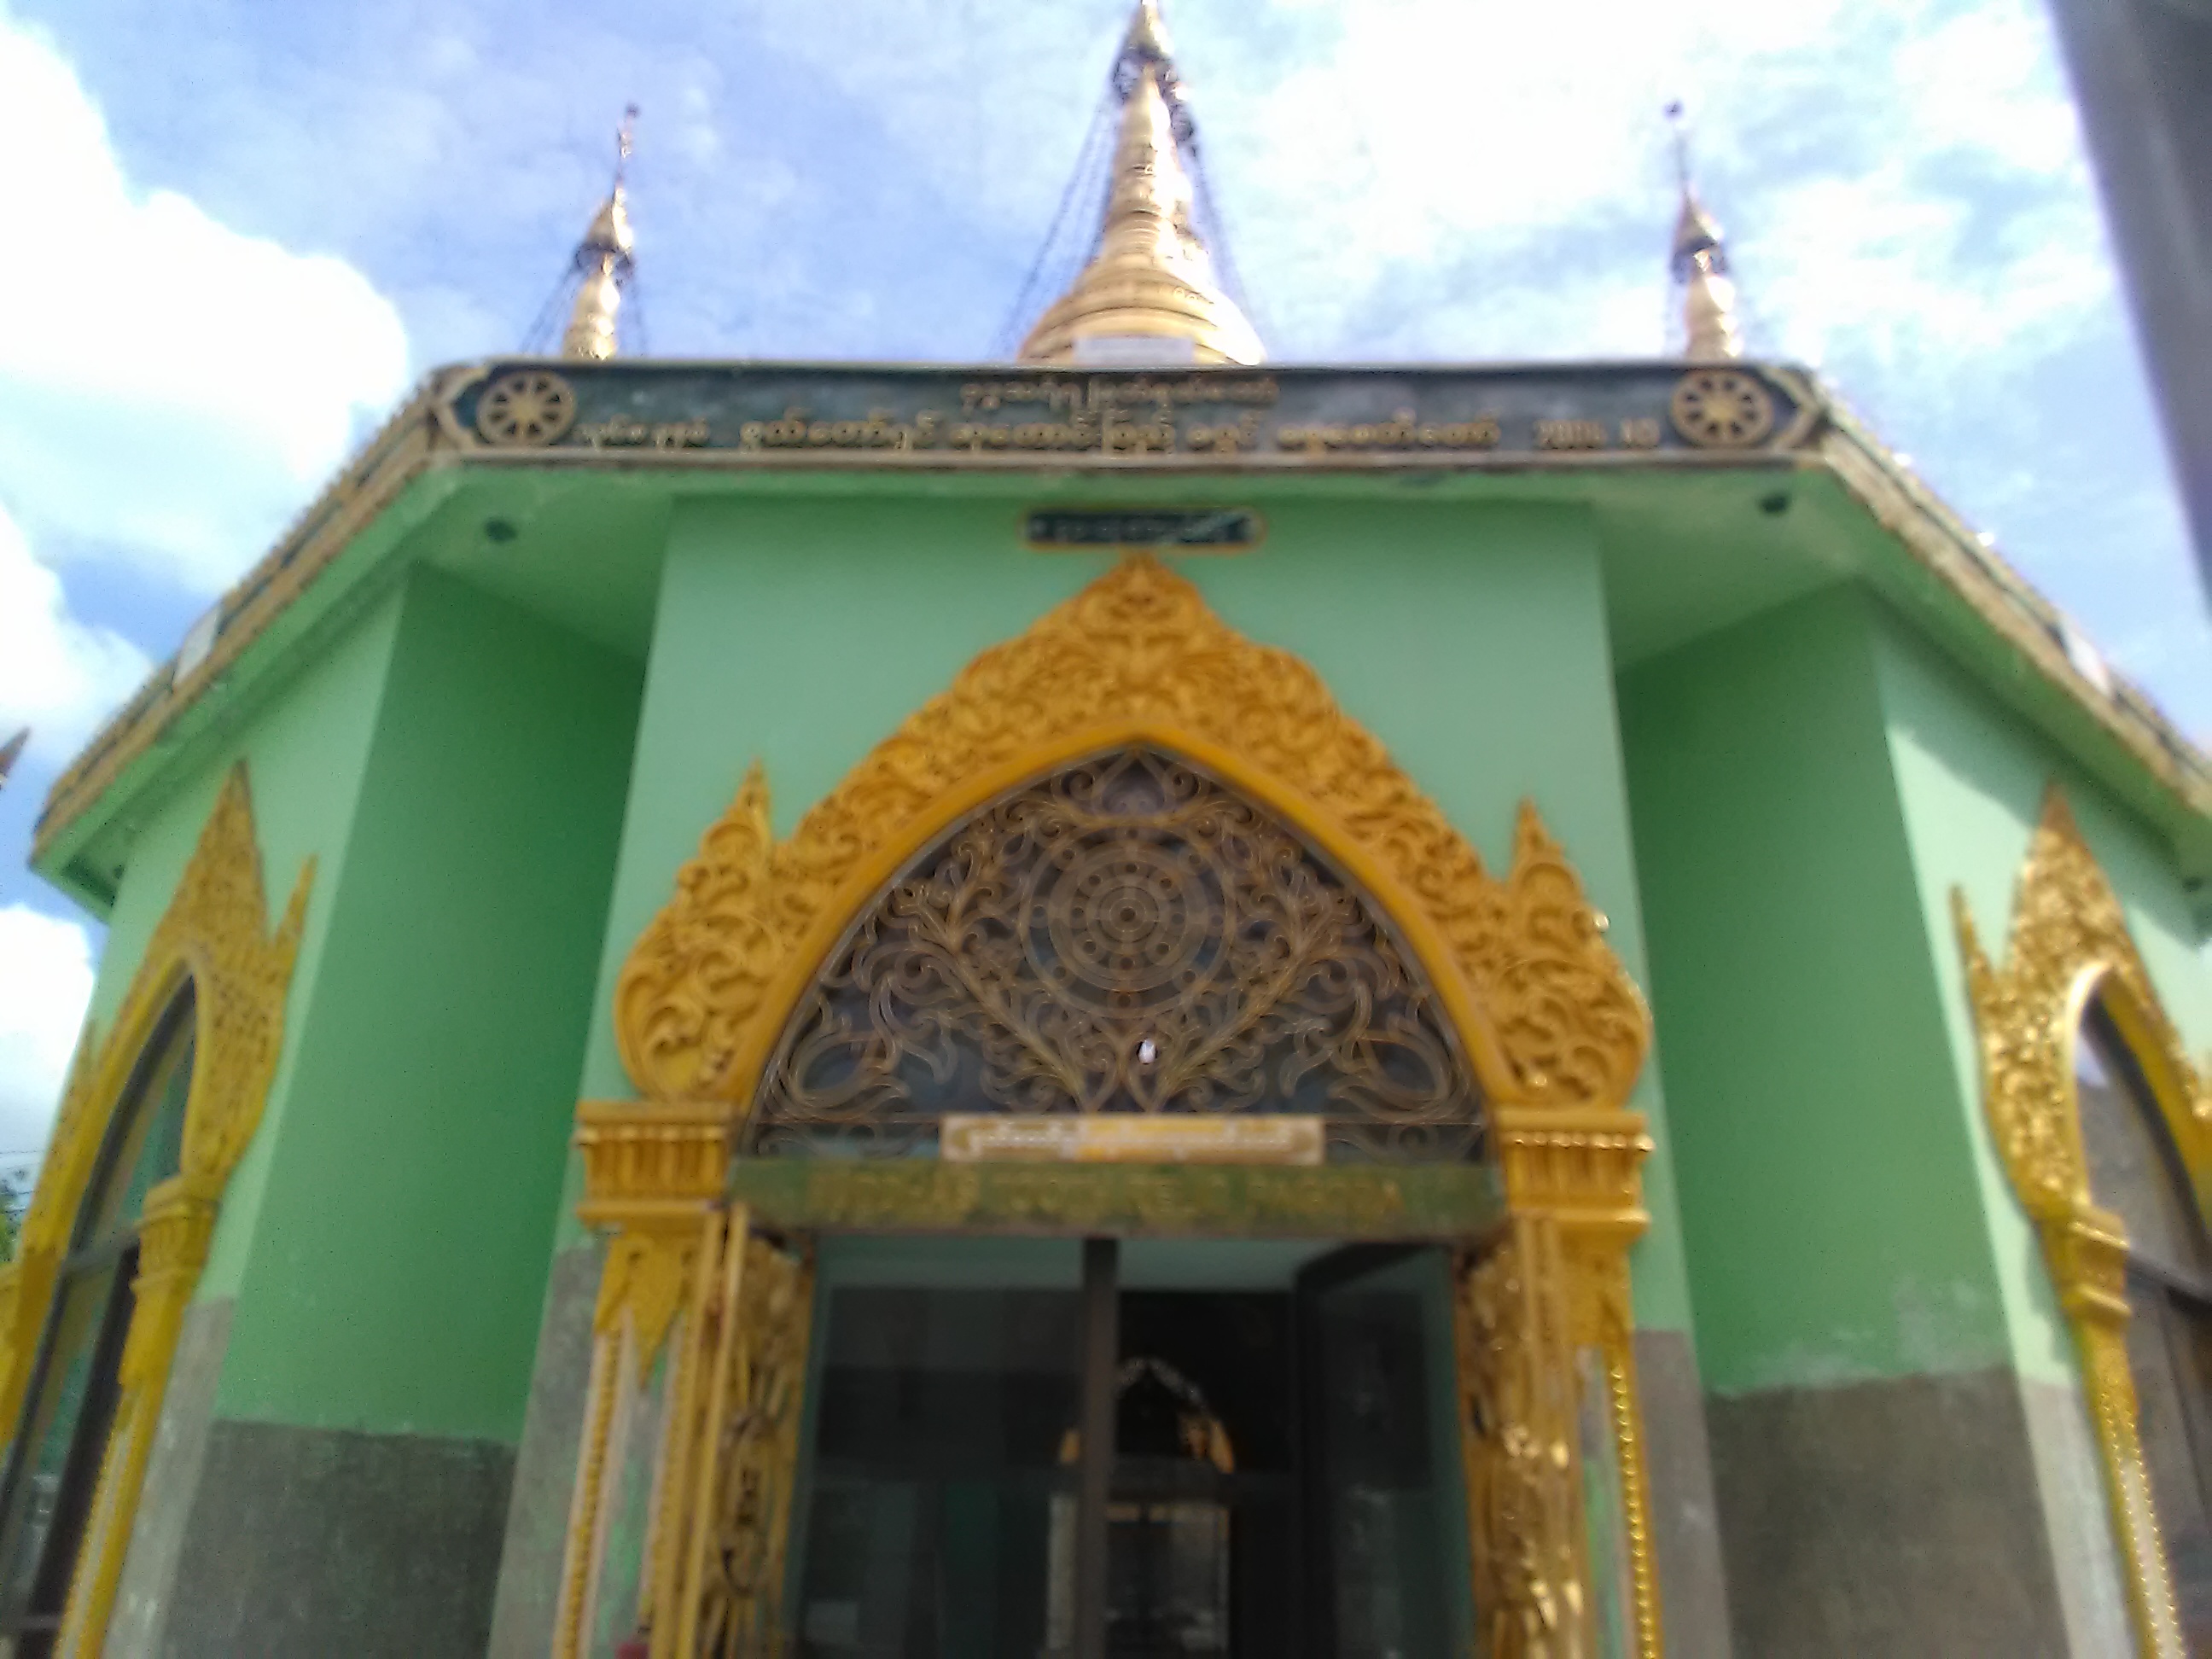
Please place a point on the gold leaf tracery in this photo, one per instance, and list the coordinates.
(1135, 657)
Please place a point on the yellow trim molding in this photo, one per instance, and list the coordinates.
(1554, 1028)
(214, 935)
(2069, 944)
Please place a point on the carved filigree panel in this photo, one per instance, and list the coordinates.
(1126, 935)
(735, 1607)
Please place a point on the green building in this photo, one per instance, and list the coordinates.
(1135, 1002)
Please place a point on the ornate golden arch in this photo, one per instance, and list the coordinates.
(2070, 943)
(214, 934)
(1556, 1032)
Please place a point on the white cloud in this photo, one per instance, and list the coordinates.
(1372, 148)
(45, 980)
(1874, 139)
(58, 675)
(168, 387)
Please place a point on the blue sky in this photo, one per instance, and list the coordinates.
(241, 229)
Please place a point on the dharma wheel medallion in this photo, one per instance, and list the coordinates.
(1125, 938)
(1722, 408)
(527, 410)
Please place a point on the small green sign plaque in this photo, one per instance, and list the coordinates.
(1219, 528)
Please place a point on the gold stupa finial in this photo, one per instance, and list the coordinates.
(1149, 294)
(1698, 260)
(603, 261)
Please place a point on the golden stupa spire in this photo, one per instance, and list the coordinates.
(1149, 294)
(603, 262)
(1699, 261)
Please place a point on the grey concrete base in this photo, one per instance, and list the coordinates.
(2077, 1514)
(173, 1482)
(320, 1541)
(1685, 1516)
(1901, 1518)
(545, 1465)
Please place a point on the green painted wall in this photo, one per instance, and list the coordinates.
(1470, 637)
(1972, 778)
(395, 1270)
(1830, 1197)
(305, 754)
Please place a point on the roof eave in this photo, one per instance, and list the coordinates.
(1944, 576)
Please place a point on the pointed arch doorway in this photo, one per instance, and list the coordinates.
(1129, 947)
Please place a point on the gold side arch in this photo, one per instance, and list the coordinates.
(1553, 1025)
(215, 934)
(2069, 942)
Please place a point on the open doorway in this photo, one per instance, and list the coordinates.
(1281, 1478)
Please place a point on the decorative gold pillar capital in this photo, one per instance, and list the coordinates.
(174, 1236)
(653, 1172)
(652, 1163)
(1582, 1166)
(2088, 1252)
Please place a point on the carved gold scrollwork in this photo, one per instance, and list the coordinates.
(1548, 1013)
(733, 1605)
(1518, 1439)
(1575, 1176)
(2069, 941)
(216, 933)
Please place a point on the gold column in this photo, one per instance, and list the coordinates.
(740, 1451)
(172, 1247)
(1554, 1288)
(2088, 1251)
(655, 1175)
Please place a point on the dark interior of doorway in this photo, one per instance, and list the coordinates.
(1271, 1491)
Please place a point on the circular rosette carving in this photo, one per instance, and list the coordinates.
(527, 409)
(1127, 935)
(1722, 408)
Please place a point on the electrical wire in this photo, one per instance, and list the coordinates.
(1007, 337)
(537, 339)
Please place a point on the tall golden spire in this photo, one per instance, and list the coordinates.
(603, 262)
(1149, 294)
(1699, 263)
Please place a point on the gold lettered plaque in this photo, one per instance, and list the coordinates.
(1129, 1138)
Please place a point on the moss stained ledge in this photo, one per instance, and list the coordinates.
(1410, 1202)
